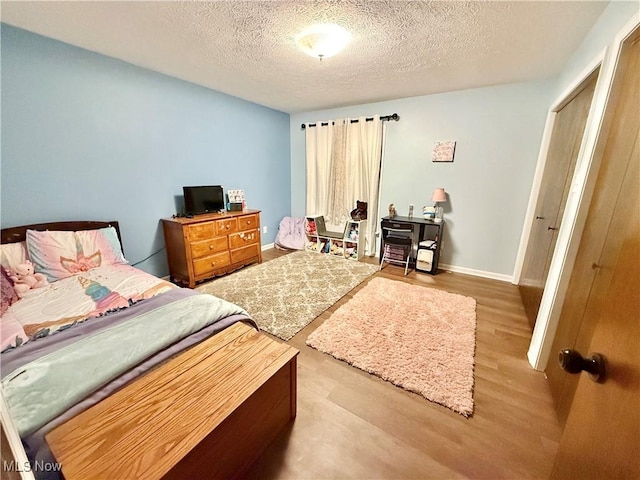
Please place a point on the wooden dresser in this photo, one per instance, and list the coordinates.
(213, 244)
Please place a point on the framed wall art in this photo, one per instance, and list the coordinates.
(444, 151)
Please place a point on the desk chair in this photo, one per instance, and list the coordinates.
(398, 244)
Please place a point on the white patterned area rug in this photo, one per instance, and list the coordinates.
(418, 338)
(284, 295)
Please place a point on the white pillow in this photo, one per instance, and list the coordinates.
(13, 254)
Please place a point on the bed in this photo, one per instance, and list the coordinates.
(102, 328)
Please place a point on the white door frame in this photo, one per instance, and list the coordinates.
(578, 200)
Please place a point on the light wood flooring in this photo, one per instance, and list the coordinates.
(354, 425)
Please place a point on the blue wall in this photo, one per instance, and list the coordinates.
(85, 136)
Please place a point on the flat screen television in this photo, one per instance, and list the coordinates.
(203, 199)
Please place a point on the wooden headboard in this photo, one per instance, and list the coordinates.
(19, 234)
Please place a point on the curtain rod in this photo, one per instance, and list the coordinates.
(394, 116)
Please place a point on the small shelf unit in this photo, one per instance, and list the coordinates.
(348, 244)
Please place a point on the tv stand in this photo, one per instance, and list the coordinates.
(211, 244)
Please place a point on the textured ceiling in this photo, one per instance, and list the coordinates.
(398, 48)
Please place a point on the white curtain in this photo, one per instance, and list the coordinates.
(338, 202)
(319, 142)
(343, 166)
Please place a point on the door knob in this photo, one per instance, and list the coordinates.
(572, 362)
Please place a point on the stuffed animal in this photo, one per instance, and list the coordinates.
(24, 278)
(360, 212)
(310, 226)
(392, 211)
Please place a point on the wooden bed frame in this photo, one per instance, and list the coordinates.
(19, 234)
(208, 412)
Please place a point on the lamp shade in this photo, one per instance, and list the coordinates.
(439, 195)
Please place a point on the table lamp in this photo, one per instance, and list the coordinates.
(438, 197)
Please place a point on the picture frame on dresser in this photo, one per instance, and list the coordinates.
(209, 245)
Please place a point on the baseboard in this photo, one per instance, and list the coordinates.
(477, 273)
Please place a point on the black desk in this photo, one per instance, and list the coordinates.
(422, 230)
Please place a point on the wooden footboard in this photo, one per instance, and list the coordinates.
(207, 413)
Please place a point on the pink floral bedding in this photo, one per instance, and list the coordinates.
(77, 298)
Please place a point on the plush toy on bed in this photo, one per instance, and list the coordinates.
(24, 278)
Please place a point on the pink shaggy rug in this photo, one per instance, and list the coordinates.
(418, 338)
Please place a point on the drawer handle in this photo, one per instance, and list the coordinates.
(248, 222)
(213, 264)
(210, 247)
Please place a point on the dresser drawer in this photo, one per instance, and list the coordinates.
(241, 239)
(226, 226)
(245, 253)
(205, 265)
(207, 247)
(201, 231)
(248, 222)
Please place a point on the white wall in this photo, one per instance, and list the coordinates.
(498, 132)
(614, 17)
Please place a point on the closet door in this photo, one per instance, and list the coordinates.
(612, 206)
(566, 137)
(601, 438)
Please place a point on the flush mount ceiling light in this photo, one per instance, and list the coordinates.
(323, 40)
